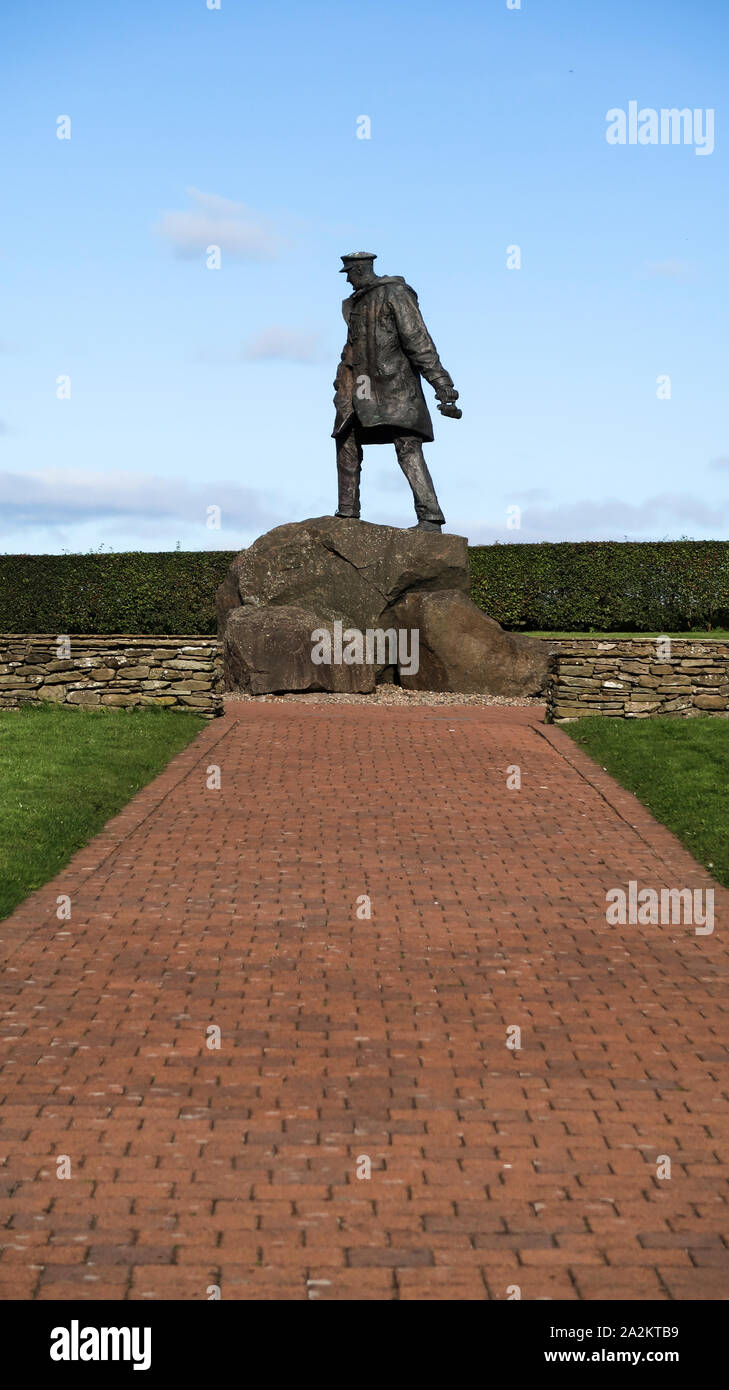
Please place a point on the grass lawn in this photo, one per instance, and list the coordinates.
(65, 772)
(720, 634)
(680, 770)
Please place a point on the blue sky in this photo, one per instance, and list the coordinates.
(193, 387)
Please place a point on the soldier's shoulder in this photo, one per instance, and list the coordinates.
(398, 285)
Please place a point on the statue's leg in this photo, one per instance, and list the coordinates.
(409, 450)
(349, 467)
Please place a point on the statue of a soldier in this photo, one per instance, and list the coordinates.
(379, 398)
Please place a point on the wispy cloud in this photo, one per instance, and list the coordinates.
(610, 519)
(59, 497)
(282, 344)
(215, 221)
(673, 268)
(532, 494)
(721, 463)
(276, 343)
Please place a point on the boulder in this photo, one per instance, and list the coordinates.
(336, 574)
(340, 568)
(463, 649)
(270, 649)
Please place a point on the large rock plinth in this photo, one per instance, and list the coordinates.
(344, 569)
(337, 578)
(463, 649)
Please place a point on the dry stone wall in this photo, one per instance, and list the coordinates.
(638, 679)
(630, 679)
(179, 672)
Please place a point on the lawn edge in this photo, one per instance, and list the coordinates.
(85, 861)
(659, 838)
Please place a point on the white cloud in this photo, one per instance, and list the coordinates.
(214, 221)
(611, 519)
(282, 344)
(274, 344)
(60, 497)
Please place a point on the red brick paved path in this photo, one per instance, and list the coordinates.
(343, 1037)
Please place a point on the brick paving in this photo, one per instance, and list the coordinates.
(345, 1038)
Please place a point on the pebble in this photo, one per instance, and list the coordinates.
(385, 695)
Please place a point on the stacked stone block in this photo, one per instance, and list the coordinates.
(627, 679)
(179, 672)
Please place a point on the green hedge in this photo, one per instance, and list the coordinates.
(602, 586)
(605, 586)
(135, 592)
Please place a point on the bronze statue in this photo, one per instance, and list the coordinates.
(379, 398)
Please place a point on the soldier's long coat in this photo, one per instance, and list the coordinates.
(388, 349)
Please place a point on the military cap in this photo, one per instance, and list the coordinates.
(354, 257)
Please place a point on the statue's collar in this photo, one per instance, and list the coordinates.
(381, 280)
(364, 289)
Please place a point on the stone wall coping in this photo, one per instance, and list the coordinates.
(627, 646)
(151, 639)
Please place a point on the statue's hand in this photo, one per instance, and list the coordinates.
(447, 397)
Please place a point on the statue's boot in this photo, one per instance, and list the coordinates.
(427, 526)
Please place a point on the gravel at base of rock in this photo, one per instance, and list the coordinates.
(385, 695)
